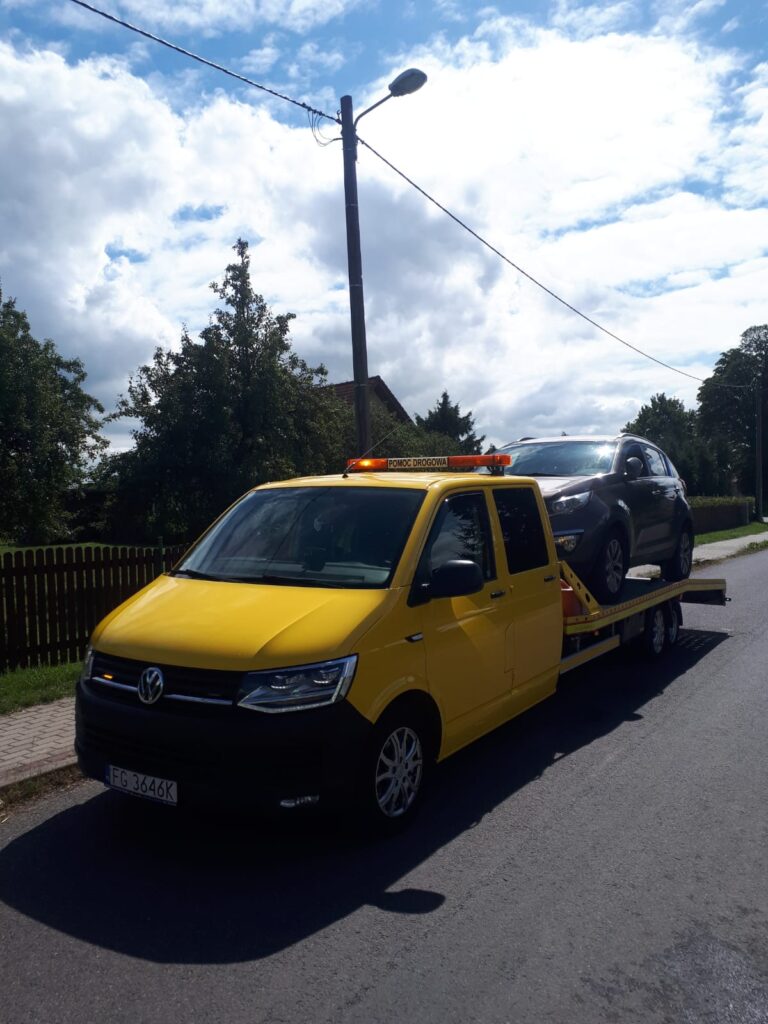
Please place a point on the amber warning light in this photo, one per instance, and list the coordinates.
(430, 462)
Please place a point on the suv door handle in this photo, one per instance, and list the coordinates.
(549, 579)
(497, 593)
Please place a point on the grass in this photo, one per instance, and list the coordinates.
(26, 687)
(738, 531)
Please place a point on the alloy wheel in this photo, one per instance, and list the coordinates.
(399, 771)
(614, 565)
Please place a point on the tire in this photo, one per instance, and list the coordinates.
(673, 617)
(655, 632)
(395, 769)
(607, 578)
(678, 567)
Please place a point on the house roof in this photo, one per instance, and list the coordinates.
(346, 392)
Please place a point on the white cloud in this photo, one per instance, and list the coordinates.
(262, 59)
(582, 21)
(228, 15)
(601, 164)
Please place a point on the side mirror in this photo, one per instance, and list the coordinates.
(634, 467)
(456, 578)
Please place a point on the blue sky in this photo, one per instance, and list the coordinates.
(616, 151)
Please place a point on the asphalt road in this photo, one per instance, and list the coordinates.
(603, 858)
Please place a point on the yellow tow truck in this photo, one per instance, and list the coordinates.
(329, 639)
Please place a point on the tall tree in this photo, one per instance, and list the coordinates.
(446, 419)
(218, 416)
(727, 406)
(49, 432)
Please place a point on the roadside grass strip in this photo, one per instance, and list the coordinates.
(25, 687)
(738, 531)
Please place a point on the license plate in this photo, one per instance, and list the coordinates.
(142, 785)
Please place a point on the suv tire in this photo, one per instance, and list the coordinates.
(678, 567)
(607, 577)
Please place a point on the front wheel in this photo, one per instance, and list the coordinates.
(678, 567)
(393, 776)
(607, 578)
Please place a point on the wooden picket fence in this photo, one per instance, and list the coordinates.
(51, 598)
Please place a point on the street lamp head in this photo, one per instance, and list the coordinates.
(407, 82)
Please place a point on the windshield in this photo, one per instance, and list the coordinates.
(312, 536)
(560, 458)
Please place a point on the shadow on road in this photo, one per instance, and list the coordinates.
(137, 879)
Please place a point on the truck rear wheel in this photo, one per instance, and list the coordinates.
(673, 617)
(655, 632)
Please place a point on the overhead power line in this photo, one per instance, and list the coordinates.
(530, 277)
(203, 60)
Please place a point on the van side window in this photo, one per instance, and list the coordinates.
(461, 530)
(521, 528)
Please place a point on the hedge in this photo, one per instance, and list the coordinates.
(710, 514)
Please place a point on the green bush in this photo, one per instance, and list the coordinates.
(703, 501)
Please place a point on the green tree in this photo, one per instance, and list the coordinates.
(446, 419)
(701, 463)
(49, 432)
(221, 415)
(727, 404)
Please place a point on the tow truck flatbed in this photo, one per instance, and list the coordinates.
(597, 629)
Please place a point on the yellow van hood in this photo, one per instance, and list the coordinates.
(237, 626)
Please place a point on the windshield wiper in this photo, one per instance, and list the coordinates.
(289, 581)
(193, 574)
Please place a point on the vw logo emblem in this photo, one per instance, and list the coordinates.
(151, 684)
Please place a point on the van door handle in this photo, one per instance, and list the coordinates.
(549, 579)
(497, 593)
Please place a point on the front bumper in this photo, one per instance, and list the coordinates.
(226, 756)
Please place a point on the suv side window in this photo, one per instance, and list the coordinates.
(655, 461)
(462, 530)
(521, 528)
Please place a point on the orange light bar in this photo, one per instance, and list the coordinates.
(433, 462)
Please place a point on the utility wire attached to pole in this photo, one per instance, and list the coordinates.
(204, 60)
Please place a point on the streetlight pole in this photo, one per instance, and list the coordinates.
(406, 82)
(759, 452)
(355, 268)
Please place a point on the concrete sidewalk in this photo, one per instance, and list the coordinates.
(39, 740)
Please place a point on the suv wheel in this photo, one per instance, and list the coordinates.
(607, 577)
(678, 567)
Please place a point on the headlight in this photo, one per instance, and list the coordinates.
(295, 689)
(87, 670)
(570, 502)
(567, 541)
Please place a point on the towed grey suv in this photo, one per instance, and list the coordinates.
(613, 502)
